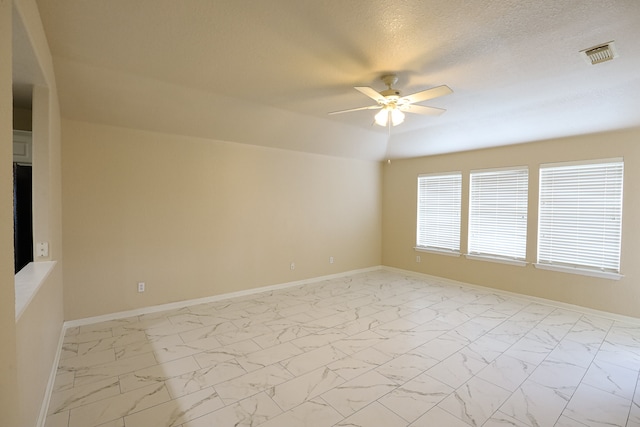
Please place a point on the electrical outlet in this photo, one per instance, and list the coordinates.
(417, 258)
(330, 260)
(293, 266)
(140, 286)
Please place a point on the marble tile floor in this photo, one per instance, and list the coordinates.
(377, 349)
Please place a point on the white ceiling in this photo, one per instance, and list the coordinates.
(267, 72)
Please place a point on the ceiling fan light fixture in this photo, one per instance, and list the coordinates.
(382, 117)
(397, 117)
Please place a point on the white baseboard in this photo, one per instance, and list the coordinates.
(187, 303)
(44, 408)
(539, 300)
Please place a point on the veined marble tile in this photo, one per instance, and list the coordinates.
(303, 388)
(456, 369)
(573, 352)
(147, 346)
(111, 342)
(373, 330)
(634, 414)
(57, 420)
(141, 325)
(535, 404)
(109, 324)
(78, 363)
(611, 378)
(179, 351)
(228, 338)
(359, 342)
(119, 406)
(314, 413)
(191, 382)
(438, 417)
(252, 383)
(416, 397)
(395, 327)
(469, 331)
(475, 401)
(65, 400)
(64, 381)
(351, 367)
(595, 407)
(311, 360)
(500, 419)
(208, 331)
(177, 411)
(69, 350)
(404, 368)
(511, 331)
(422, 316)
(373, 415)
(561, 377)
(507, 372)
(114, 369)
(283, 335)
(238, 349)
(624, 334)
(318, 339)
(269, 356)
(87, 336)
(568, 422)
(485, 349)
(442, 347)
(358, 393)
(170, 329)
(248, 412)
(530, 350)
(157, 374)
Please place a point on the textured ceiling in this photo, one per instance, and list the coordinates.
(268, 72)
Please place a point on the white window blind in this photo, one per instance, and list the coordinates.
(439, 211)
(580, 218)
(498, 213)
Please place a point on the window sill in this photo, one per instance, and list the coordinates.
(28, 281)
(438, 251)
(580, 271)
(517, 262)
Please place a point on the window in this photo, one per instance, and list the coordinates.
(498, 213)
(580, 217)
(439, 211)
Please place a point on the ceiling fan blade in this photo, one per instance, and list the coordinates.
(421, 109)
(434, 92)
(371, 107)
(371, 93)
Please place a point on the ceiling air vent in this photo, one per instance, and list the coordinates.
(601, 53)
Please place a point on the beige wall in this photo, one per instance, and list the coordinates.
(195, 218)
(8, 356)
(399, 222)
(29, 345)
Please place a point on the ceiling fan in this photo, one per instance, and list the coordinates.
(392, 106)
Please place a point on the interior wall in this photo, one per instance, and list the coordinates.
(194, 218)
(8, 355)
(400, 216)
(38, 329)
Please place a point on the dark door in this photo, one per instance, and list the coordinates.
(22, 217)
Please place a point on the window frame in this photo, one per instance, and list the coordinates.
(500, 185)
(436, 245)
(589, 267)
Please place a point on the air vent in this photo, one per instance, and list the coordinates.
(601, 53)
